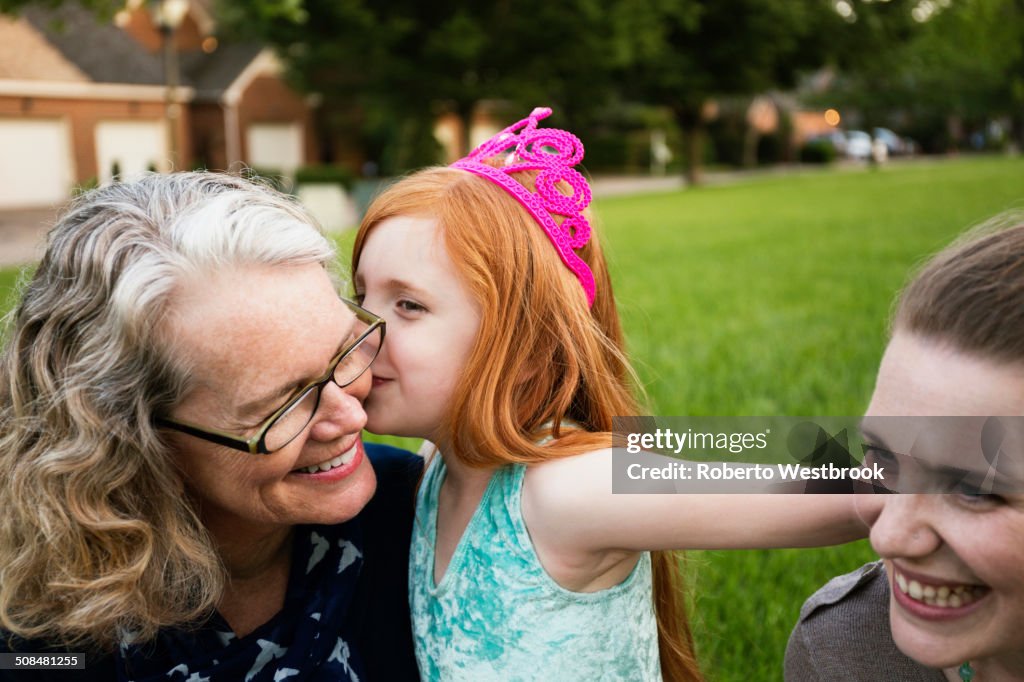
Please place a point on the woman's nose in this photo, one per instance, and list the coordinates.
(360, 388)
(905, 526)
(341, 409)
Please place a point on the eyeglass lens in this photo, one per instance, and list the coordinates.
(291, 423)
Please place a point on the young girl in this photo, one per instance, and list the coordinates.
(505, 349)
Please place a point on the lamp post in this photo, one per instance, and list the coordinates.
(168, 15)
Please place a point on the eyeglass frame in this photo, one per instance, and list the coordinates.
(257, 444)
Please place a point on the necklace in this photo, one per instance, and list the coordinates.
(966, 672)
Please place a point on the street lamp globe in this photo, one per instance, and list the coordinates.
(168, 14)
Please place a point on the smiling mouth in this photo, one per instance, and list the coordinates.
(341, 460)
(939, 595)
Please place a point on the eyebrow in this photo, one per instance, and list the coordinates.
(261, 408)
(392, 284)
(395, 283)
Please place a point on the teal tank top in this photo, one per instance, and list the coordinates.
(497, 615)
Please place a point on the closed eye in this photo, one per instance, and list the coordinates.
(879, 455)
(974, 494)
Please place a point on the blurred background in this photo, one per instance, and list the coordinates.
(348, 91)
(767, 172)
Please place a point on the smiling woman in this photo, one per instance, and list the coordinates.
(186, 486)
(219, 322)
(947, 600)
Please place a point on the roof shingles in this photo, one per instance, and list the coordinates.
(103, 53)
(26, 55)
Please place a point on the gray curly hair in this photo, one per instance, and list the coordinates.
(97, 540)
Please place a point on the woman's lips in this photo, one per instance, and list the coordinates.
(336, 468)
(934, 598)
(379, 381)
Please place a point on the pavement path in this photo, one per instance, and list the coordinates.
(23, 232)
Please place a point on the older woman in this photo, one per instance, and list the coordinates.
(947, 600)
(186, 495)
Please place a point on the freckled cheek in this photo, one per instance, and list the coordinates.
(275, 466)
(249, 473)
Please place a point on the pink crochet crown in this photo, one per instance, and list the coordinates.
(553, 152)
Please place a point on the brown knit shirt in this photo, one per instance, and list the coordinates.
(843, 635)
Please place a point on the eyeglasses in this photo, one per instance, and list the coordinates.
(291, 419)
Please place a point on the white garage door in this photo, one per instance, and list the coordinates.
(35, 162)
(275, 146)
(130, 148)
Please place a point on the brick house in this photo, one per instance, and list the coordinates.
(82, 100)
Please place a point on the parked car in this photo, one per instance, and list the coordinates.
(836, 138)
(895, 144)
(858, 145)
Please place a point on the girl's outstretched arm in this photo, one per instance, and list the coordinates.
(568, 504)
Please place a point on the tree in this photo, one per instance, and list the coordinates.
(393, 67)
(106, 8)
(695, 51)
(964, 62)
(388, 69)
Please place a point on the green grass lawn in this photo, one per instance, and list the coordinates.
(8, 280)
(772, 297)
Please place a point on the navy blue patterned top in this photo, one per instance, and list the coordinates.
(345, 615)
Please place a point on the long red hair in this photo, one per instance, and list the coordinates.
(542, 356)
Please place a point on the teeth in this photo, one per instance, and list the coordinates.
(343, 458)
(902, 582)
(945, 596)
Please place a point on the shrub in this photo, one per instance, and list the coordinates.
(771, 149)
(272, 177)
(818, 151)
(325, 173)
(85, 186)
